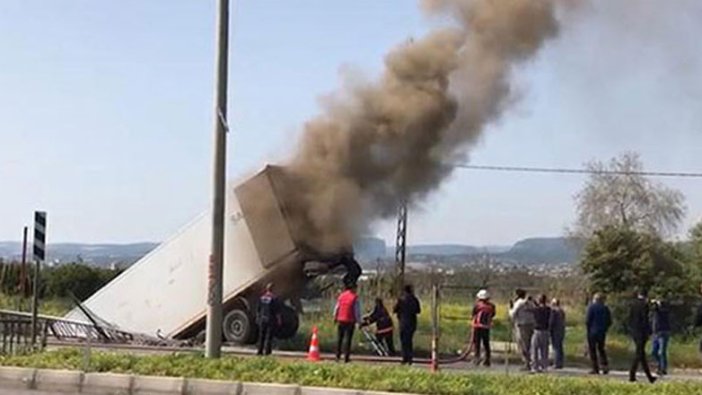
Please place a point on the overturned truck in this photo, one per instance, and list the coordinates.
(165, 293)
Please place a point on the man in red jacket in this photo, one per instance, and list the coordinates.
(483, 313)
(347, 313)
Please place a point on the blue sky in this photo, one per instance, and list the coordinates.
(105, 109)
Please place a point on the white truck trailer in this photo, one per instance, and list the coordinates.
(165, 293)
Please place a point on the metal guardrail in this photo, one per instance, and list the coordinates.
(16, 335)
(16, 327)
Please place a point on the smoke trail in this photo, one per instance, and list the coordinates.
(376, 144)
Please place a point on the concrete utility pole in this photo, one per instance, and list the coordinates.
(213, 342)
(23, 268)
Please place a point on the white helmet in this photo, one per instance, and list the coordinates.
(483, 294)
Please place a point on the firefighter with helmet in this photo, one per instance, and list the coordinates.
(483, 314)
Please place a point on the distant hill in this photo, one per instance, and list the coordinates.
(530, 251)
(98, 254)
(549, 250)
(442, 249)
(368, 249)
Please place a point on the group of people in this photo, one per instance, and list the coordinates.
(539, 326)
(646, 318)
(538, 323)
(347, 315)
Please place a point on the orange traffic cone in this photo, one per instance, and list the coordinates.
(313, 354)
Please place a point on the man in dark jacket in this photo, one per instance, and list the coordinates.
(639, 330)
(542, 335)
(698, 319)
(558, 328)
(407, 308)
(661, 335)
(268, 318)
(598, 320)
(383, 325)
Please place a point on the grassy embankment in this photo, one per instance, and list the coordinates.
(362, 377)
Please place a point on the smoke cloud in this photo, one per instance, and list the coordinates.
(378, 144)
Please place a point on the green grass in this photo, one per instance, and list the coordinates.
(361, 377)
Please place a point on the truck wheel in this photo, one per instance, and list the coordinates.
(291, 323)
(239, 327)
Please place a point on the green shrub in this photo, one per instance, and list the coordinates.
(356, 376)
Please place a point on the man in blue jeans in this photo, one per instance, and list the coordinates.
(661, 335)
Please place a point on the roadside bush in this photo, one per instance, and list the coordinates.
(57, 282)
(619, 261)
(355, 376)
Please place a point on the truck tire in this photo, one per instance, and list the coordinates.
(239, 327)
(291, 323)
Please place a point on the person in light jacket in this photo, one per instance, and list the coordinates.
(522, 316)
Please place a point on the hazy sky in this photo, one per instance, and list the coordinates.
(105, 109)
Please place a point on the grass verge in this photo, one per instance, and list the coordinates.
(361, 377)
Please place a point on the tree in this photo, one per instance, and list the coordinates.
(696, 243)
(79, 279)
(618, 195)
(620, 260)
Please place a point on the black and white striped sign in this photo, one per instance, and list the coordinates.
(39, 235)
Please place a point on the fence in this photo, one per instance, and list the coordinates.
(16, 335)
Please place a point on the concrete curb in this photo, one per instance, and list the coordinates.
(107, 384)
(75, 382)
(58, 380)
(17, 378)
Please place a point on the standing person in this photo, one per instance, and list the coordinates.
(698, 320)
(558, 327)
(521, 314)
(597, 321)
(268, 317)
(639, 330)
(383, 325)
(661, 335)
(407, 309)
(483, 313)
(542, 334)
(347, 313)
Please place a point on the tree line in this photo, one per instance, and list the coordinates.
(60, 281)
(627, 223)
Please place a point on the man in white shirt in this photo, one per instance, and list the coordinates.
(522, 316)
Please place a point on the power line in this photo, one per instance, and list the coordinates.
(560, 170)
